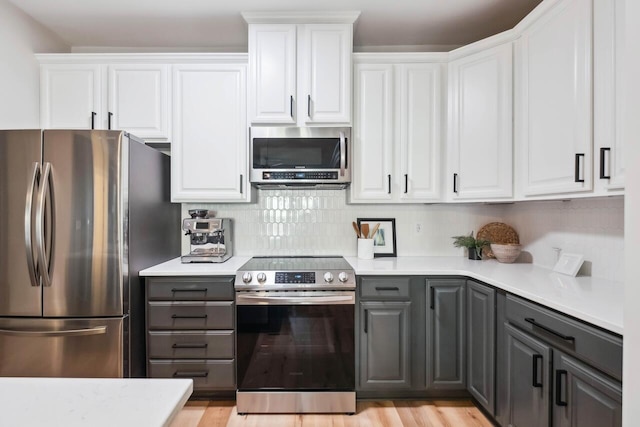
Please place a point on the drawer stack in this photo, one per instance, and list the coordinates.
(190, 331)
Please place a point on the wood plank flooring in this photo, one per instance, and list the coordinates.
(419, 413)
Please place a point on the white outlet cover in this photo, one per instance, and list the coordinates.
(569, 264)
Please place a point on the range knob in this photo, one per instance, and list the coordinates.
(343, 276)
(246, 277)
(328, 277)
(261, 277)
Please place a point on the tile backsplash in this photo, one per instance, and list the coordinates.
(318, 222)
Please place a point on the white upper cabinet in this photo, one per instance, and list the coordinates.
(71, 96)
(300, 68)
(209, 148)
(139, 99)
(480, 146)
(608, 30)
(397, 130)
(554, 100)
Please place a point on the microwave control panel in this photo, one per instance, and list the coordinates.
(299, 175)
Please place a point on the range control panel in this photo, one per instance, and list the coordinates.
(295, 277)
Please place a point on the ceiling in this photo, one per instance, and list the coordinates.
(216, 25)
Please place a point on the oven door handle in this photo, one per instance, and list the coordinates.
(293, 300)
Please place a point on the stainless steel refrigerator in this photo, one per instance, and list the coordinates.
(81, 213)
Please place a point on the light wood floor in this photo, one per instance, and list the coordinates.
(423, 413)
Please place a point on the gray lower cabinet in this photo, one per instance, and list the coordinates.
(481, 327)
(445, 334)
(191, 331)
(584, 397)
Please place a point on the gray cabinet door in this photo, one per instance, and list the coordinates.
(385, 359)
(481, 326)
(446, 334)
(583, 397)
(528, 379)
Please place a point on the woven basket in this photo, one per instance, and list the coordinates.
(496, 232)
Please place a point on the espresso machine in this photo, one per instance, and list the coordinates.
(210, 238)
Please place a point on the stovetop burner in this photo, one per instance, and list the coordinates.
(295, 272)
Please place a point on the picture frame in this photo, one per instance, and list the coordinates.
(384, 241)
(569, 264)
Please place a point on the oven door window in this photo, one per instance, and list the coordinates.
(297, 347)
(296, 153)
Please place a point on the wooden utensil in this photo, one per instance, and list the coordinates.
(374, 231)
(365, 231)
(355, 227)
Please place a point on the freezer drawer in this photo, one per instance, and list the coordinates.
(208, 375)
(191, 344)
(190, 315)
(77, 348)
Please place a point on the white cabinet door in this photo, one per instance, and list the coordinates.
(555, 107)
(209, 146)
(608, 96)
(71, 96)
(372, 133)
(418, 131)
(139, 100)
(480, 125)
(324, 76)
(272, 86)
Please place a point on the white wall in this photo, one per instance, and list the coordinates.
(631, 371)
(20, 37)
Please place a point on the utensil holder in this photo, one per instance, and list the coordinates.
(365, 248)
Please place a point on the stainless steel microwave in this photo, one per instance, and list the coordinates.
(316, 157)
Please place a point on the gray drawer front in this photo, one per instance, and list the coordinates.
(190, 315)
(191, 345)
(599, 348)
(384, 287)
(207, 374)
(189, 289)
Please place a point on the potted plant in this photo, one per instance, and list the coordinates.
(473, 245)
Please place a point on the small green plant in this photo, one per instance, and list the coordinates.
(469, 242)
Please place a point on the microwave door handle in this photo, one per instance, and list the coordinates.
(343, 155)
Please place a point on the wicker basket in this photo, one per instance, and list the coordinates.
(497, 232)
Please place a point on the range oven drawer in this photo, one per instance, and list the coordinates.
(207, 375)
(190, 315)
(191, 344)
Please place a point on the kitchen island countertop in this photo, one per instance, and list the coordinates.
(94, 402)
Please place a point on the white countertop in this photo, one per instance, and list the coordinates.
(593, 300)
(95, 402)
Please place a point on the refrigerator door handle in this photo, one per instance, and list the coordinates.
(40, 224)
(98, 330)
(28, 238)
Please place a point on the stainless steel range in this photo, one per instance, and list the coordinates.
(295, 335)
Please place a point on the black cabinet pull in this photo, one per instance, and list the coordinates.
(309, 106)
(178, 345)
(93, 119)
(366, 322)
(432, 298)
(387, 288)
(577, 171)
(291, 106)
(109, 120)
(406, 183)
(559, 374)
(548, 329)
(195, 374)
(455, 183)
(199, 316)
(241, 179)
(536, 359)
(189, 290)
(603, 150)
(389, 184)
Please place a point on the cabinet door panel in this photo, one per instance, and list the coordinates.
(555, 109)
(418, 129)
(139, 99)
(481, 115)
(273, 73)
(208, 153)
(446, 333)
(373, 133)
(384, 345)
(69, 95)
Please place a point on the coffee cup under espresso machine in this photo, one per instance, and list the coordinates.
(210, 238)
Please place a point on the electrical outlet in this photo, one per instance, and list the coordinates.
(418, 228)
